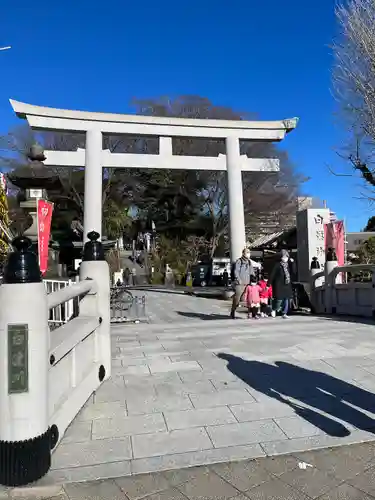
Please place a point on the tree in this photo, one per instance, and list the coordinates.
(69, 201)
(370, 226)
(354, 82)
(4, 223)
(366, 252)
(183, 204)
(266, 195)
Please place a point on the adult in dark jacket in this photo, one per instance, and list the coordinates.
(242, 271)
(281, 282)
(126, 276)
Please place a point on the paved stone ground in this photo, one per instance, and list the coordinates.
(198, 391)
(176, 307)
(344, 473)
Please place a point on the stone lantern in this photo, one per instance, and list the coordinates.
(34, 179)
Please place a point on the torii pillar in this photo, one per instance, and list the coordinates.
(94, 158)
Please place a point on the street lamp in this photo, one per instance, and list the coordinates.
(5, 48)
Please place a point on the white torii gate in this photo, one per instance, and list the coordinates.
(94, 158)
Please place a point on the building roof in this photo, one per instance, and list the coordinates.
(265, 239)
(269, 239)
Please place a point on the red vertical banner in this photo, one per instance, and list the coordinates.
(334, 235)
(340, 242)
(45, 210)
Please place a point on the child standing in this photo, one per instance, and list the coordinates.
(265, 295)
(252, 298)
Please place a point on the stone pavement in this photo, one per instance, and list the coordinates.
(344, 473)
(198, 392)
(176, 307)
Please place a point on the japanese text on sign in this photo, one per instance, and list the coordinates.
(18, 379)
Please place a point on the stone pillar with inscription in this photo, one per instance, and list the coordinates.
(25, 438)
(310, 240)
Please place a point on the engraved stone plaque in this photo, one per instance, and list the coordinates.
(18, 369)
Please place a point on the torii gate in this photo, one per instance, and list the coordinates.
(94, 158)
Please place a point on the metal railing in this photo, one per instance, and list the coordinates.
(63, 312)
(126, 307)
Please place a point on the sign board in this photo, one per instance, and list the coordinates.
(310, 239)
(18, 362)
(35, 193)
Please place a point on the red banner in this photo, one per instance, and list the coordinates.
(335, 238)
(44, 230)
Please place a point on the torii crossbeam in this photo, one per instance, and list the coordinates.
(94, 158)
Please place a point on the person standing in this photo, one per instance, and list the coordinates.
(225, 278)
(281, 282)
(265, 296)
(126, 276)
(252, 298)
(134, 276)
(242, 272)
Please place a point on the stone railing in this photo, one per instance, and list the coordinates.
(329, 295)
(47, 376)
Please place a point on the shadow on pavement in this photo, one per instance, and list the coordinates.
(347, 319)
(203, 316)
(315, 389)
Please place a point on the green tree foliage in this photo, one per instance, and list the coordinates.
(4, 224)
(366, 252)
(370, 226)
(69, 196)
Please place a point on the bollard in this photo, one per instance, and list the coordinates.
(330, 281)
(25, 438)
(95, 267)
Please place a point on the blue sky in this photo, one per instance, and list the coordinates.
(271, 58)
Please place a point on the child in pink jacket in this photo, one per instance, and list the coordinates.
(252, 298)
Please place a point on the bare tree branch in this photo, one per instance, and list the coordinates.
(354, 81)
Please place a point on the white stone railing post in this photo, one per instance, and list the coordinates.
(25, 438)
(97, 302)
(316, 295)
(330, 281)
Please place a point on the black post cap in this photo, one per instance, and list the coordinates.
(93, 249)
(36, 153)
(22, 265)
(315, 263)
(331, 255)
